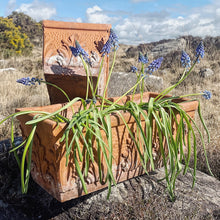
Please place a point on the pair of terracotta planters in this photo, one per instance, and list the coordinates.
(48, 167)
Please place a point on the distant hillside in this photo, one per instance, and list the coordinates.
(28, 26)
(171, 51)
(19, 33)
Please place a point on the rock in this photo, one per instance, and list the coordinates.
(206, 72)
(121, 81)
(146, 198)
(153, 83)
(143, 197)
(10, 69)
(167, 47)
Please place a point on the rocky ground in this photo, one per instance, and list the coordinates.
(139, 198)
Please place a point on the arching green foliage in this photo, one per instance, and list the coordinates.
(12, 41)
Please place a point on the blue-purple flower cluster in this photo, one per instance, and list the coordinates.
(78, 50)
(111, 44)
(93, 100)
(155, 65)
(27, 81)
(207, 94)
(185, 60)
(200, 51)
(134, 69)
(142, 58)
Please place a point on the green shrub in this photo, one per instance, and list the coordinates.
(12, 41)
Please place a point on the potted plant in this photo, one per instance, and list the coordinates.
(90, 143)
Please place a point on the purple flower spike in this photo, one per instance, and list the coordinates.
(106, 48)
(134, 69)
(142, 58)
(155, 65)
(185, 60)
(207, 94)
(200, 50)
(76, 51)
(27, 81)
(112, 42)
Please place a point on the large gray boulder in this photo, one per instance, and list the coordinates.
(121, 82)
(162, 49)
(143, 197)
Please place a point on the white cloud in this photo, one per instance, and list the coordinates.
(97, 15)
(154, 26)
(38, 10)
(10, 7)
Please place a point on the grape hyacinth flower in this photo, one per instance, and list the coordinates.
(200, 51)
(111, 42)
(113, 38)
(78, 50)
(134, 69)
(93, 100)
(185, 60)
(142, 58)
(207, 94)
(106, 48)
(155, 65)
(27, 81)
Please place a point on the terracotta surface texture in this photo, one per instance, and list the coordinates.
(49, 168)
(62, 68)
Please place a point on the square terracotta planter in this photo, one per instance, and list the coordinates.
(65, 70)
(48, 167)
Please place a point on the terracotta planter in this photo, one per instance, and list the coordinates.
(65, 70)
(48, 157)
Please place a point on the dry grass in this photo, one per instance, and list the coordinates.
(14, 95)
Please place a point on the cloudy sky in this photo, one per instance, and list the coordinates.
(135, 21)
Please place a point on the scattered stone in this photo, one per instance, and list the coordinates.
(207, 72)
(10, 69)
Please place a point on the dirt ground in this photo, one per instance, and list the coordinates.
(139, 198)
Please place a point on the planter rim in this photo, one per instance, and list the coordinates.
(75, 25)
(187, 105)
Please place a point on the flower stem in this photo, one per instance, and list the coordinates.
(169, 89)
(109, 76)
(100, 71)
(121, 97)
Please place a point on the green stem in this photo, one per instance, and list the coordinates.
(194, 94)
(57, 87)
(121, 97)
(142, 82)
(109, 76)
(89, 84)
(100, 71)
(167, 90)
